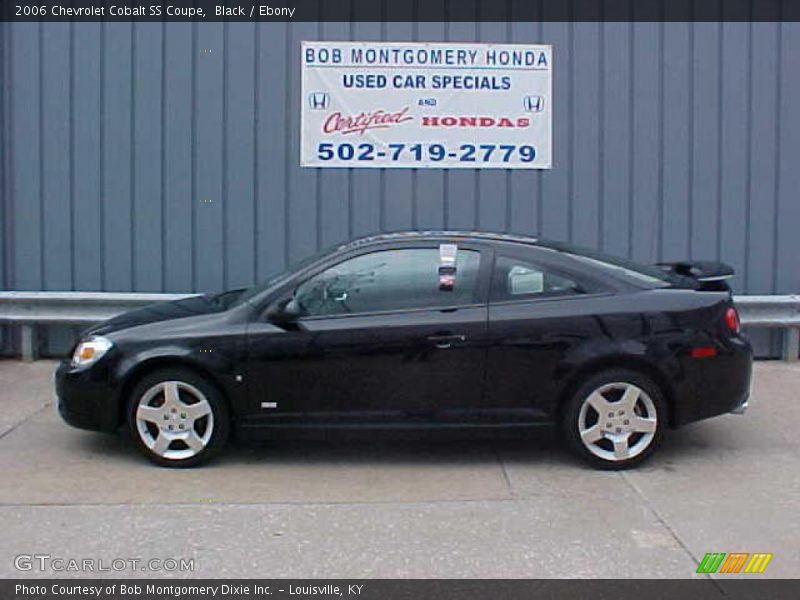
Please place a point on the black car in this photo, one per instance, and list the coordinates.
(428, 329)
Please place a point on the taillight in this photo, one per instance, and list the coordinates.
(732, 320)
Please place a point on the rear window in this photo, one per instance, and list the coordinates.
(627, 270)
(518, 279)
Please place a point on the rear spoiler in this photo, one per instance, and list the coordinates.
(710, 275)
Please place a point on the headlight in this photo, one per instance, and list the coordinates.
(90, 351)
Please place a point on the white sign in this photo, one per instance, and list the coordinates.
(418, 105)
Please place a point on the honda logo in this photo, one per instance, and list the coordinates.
(533, 103)
(318, 100)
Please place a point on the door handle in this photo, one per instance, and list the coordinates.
(446, 341)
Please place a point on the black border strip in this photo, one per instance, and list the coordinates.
(409, 10)
(747, 586)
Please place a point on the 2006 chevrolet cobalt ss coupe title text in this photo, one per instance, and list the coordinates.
(423, 329)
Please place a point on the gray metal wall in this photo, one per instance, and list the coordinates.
(164, 157)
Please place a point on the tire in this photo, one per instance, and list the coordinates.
(177, 418)
(615, 419)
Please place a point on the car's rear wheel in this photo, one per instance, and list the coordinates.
(177, 418)
(615, 419)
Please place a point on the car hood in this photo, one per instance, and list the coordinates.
(166, 311)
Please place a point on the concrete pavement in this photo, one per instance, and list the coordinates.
(403, 508)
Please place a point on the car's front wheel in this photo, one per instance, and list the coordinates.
(177, 418)
(615, 419)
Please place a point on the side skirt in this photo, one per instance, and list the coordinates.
(260, 430)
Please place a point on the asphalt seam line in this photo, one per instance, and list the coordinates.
(19, 424)
(276, 505)
(507, 479)
(667, 526)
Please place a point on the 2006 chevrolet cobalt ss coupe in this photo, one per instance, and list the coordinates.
(423, 329)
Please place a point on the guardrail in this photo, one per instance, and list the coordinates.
(782, 312)
(32, 309)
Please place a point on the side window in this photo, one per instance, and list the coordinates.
(388, 280)
(520, 279)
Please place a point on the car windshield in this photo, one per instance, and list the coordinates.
(629, 270)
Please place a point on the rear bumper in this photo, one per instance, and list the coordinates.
(742, 408)
(85, 398)
(715, 385)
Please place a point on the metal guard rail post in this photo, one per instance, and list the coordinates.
(31, 309)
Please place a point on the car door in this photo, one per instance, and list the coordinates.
(378, 340)
(537, 312)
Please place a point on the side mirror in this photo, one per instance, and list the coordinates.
(285, 311)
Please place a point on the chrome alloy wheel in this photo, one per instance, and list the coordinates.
(617, 421)
(174, 420)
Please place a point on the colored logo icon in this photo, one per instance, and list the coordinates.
(735, 562)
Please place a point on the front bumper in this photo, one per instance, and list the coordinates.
(86, 398)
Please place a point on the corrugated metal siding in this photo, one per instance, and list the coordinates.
(164, 157)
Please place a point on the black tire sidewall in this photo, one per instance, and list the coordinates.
(569, 420)
(219, 409)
